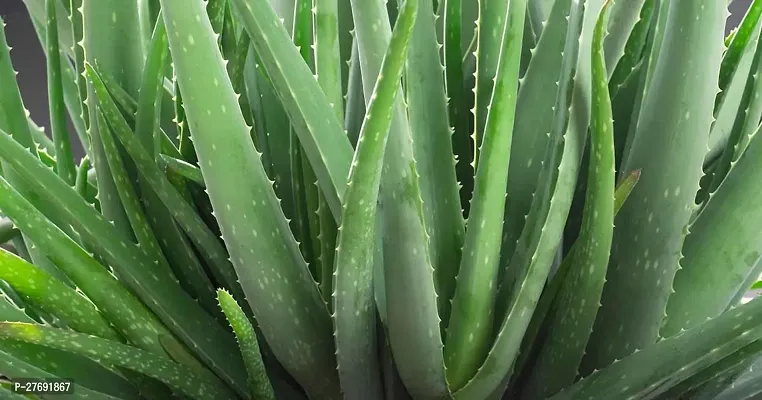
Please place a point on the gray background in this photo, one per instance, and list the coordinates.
(29, 60)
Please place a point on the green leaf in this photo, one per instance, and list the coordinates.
(457, 94)
(537, 329)
(662, 365)
(263, 251)
(546, 219)
(54, 297)
(327, 52)
(724, 233)
(621, 26)
(259, 384)
(107, 22)
(7, 230)
(534, 121)
(433, 152)
(734, 72)
(489, 37)
(634, 48)
(320, 135)
(127, 314)
(154, 286)
(669, 147)
(64, 157)
(470, 325)
(189, 382)
(353, 302)
(414, 332)
(184, 169)
(579, 296)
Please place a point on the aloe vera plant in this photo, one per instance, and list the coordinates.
(362, 199)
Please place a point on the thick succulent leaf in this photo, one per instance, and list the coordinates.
(714, 379)
(633, 49)
(537, 329)
(470, 325)
(320, 133)
(534, 121)
(725, 233)
(734, 74)
(489, 37)
(327, 52)
(262, 249)
(30, 360)
(64, 157)
(674, 359)
(353, 301)
(259, 384)
(159, 291)
(414, 332)
(184, 169)
(650, 228)
(54, 297)
(187, 381)
(146, 238)
(432, 147)
(355, 110)
(127, 314)
(7, 230)
(157, 189)
(745, 126)
(621, 26)
(457, 94)
(747, 386)
(547, 217)
(648, 65)
(107, 22)
(578, 299)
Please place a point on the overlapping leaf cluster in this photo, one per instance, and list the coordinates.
(362, 199)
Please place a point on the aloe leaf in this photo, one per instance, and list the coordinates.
(735, 75)
(322, 137)
(432, 146)
(470, 324)
(256, 233)
(128, 315)
(54, 297)
(547, 302)
(155, 287)
(648, 65)
(747, 386)
(355, 110)
(634, 48)
(414, 333)
(13, 119)
(7, 230)
(489, 36)
(546, 217)
(650, 229)
(534, 121)
(328, 52)
(106, 22)
(674, 359)
(745, 127)
(259, 384)
(353, 302)
(186, 170)
(64, 157)
(188, 382)
(184, 214)
(732, 212)
(456, 94)
(621, 26)
(146, 238)
(579, 296)
(712, 380)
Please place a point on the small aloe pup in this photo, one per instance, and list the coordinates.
(371, 199)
